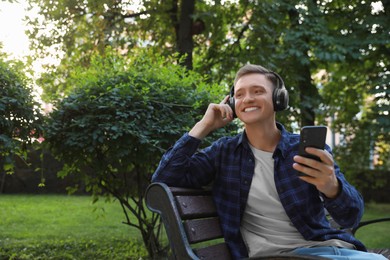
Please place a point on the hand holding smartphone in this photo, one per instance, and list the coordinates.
(311, 136)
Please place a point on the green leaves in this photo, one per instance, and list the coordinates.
(20, 118)
(112, 128)
(124, 116)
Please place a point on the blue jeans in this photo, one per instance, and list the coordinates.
(338, 253)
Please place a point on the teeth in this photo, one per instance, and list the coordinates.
(249, 109)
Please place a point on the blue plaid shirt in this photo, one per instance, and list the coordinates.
(229, 164)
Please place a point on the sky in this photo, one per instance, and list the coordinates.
(12, 35)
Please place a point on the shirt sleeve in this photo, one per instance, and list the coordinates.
(348, 207)
(184, 166)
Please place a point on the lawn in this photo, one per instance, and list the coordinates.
(71, 227)
(65, 227)
(375, 235)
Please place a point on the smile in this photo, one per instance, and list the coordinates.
(249, 109)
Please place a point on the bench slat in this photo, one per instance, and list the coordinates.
(195, 207)
(218, 251)
(199, 230)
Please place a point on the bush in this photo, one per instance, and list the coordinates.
(20, 117)
(374, 185)
(364, 158)
(122, 115)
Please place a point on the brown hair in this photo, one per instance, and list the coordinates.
(252, 68)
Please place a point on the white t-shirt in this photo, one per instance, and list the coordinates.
(265, 226)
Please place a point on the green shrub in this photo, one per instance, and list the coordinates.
(20, 117)
(112, 130)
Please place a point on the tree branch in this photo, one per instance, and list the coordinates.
(135, 14)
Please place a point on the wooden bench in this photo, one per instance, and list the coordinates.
(192, 224)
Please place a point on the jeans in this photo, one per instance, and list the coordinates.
(336, 253)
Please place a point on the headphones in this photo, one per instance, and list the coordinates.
(279, 96)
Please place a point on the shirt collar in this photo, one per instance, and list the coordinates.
(281, 147)
(284, 140)
(242, 140)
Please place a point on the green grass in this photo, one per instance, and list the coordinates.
(375, 235)
(65, 227)
(71, 227)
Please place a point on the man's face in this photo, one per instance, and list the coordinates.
(253, 98)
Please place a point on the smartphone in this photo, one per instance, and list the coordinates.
(311, 136)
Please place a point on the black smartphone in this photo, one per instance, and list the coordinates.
(312, 136)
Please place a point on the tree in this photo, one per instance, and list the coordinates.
(333, 55)
(113, 128)
(79, 29)
(20, 117)
(296, 38)
(356, 89)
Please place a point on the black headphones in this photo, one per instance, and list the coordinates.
(279, 96)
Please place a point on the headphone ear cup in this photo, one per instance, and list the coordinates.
(232, 105)
(280, 99)
(280, 94)
(232, 102)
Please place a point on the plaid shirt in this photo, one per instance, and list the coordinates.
(229, 164)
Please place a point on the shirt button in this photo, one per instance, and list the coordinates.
(246, 182)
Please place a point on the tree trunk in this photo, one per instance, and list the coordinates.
(308, 93)
(185, 43)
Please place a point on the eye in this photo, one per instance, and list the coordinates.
(259, 91)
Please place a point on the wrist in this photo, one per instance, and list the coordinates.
(200, 130)
(334, 193)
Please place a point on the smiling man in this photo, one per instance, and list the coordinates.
(264, 206)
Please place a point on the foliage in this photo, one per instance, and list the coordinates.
(365, 149)
(333, 56)
(366, 146)
(20, 117)
(80, 29)
(356, 89)
(296, 38)
(373, 185)
(113, 128)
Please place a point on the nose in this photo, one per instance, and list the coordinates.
(248, 98)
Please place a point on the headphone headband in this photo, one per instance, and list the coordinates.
(279, 80)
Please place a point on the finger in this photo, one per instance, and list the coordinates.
(324, 155)
(225, 100)
(228, 112)
(306, 170)
(306, 161)
(308, 179)
(225, 110)
(221, 110)
(312, 167)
